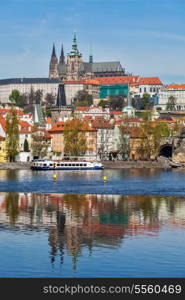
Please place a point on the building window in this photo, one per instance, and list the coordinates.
(144, 90)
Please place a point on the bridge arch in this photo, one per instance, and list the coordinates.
(165, 150)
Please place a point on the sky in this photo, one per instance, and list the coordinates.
(147, 37)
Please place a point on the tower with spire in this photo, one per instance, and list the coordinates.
(53, 66)
(90, 54)
(74, 61)
(62, 57)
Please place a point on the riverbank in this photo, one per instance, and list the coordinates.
(161, 164)
(134, 164)
(106, 164)
(15, 166)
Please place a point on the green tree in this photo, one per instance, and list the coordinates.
(74, 138)
(40, 143)
(124, 140)
(151, 135)
(116, 102)
(38, 96)
(47, 112)
(18, 99)
(145, 102)
(50, 99)
(83, 98)
(31, 96)
(103, 103)
(12, 134)
(26, 146)
(146, 115)
(171, 103)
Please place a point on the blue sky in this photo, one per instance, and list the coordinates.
(148, 37)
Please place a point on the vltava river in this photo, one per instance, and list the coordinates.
(92, 235)
(78, 226)
(122, 182)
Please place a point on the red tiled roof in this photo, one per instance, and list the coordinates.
(176, 86)
(118, 80)
(6, 110)
(24, 127)
(115, 113)
(82, 108)
(150, 80)
(24, 124)
(91, 81)
(3, 124)
(101, 124)
(88, 118)
(36, 129)
(59, 127)
(106, 80)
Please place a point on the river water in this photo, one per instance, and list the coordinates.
(78, 226)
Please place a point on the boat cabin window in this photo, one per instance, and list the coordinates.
(45, 165)
(51, 165)
(58, 165)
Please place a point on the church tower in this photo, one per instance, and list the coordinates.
(62, 57)
(74, 62)
(53, 67)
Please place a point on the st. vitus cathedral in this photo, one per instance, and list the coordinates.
(75, 68)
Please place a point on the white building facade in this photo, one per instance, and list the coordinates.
(174, 90)
(72, 87)
(149, 85)
(24, 86)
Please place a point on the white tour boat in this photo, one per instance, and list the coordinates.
(65, 165)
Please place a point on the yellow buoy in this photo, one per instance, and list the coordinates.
(54, 176)
(104, 178)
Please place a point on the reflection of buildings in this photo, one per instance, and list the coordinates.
(75, 222)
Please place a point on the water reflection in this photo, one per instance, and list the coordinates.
(123, 181)
(75, 222)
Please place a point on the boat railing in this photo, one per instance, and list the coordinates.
(68, 158)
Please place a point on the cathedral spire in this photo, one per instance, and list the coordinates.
(53, 71)
(62, 57)
(74, 50)
(53, 51)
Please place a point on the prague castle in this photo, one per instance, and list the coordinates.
(74, 68)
